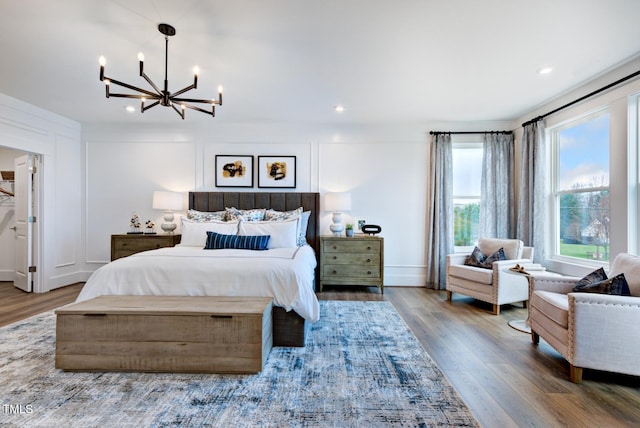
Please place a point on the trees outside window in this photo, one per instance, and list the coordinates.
(581, 188)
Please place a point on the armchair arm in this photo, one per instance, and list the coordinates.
(556, 284)
(602, 334)
(456, 259)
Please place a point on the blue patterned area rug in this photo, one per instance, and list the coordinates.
(362, 366)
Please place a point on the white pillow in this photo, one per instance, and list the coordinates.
(284, 234)
(194, 233)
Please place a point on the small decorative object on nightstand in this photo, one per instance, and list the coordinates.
(348, 230)
(150, 227)
(134, 225)
(352, 261)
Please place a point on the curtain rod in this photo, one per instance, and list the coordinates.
(590, 94)
(469, 132)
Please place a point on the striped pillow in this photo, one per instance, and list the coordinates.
(217, 241)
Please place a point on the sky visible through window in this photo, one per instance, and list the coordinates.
(467, 171)
(584, 154)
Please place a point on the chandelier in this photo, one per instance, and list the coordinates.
(161, 96)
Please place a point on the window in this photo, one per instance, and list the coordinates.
(581, 188)
(467, 175)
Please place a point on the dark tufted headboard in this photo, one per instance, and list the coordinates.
(281, 201)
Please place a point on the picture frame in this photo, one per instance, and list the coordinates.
(234, 171)
(358, 223)
(277, 172)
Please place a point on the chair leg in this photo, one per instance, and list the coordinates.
(449, 295)
(535, 337)
(496, 309)
(575, 373)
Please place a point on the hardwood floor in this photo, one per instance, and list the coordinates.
(504, 379)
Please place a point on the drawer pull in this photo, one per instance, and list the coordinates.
(335, 248)
(368, 272)
(368, 248)
(222, 316)
(334, 272)
(335, 257)
(368, 260)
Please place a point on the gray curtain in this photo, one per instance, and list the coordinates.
(532, 199)
(497, 204)
(440, 210)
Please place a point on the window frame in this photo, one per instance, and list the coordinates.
(470, 143)
(555, 194)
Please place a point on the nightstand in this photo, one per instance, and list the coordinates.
(352, 261)
(124, 245)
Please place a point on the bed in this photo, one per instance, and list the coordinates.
(285, 273)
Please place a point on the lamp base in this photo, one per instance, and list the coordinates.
(336, 227)
(168, 227)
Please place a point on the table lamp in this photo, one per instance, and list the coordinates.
(169, 202)
(337, 202)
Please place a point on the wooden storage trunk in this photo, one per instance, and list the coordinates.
(165, 334)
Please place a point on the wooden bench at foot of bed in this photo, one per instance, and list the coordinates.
(165, 334)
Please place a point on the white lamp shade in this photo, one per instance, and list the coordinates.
(337, 201)
(169, 201)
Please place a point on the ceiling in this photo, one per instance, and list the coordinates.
(292, 61)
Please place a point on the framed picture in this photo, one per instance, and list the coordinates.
(277, 171)
(358, 223)
(234, 171)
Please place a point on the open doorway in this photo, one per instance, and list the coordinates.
(16, 252)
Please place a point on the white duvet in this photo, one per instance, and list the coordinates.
(285, 274)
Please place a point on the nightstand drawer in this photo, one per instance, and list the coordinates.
(346, 271)
(125, 245)
(363, 259)
(143, 244)
(351, 246)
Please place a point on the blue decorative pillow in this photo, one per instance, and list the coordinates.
(496, 256)
(617, 285)
(475, 258)
(217, 241)
(595, 276)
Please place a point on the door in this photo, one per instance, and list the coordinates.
(24, 209)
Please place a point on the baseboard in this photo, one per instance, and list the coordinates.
(405, 276)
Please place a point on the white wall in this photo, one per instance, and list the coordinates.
(60, 257)
(383, 166)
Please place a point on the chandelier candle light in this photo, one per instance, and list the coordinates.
(162, 97)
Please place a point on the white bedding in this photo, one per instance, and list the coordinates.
(286, 274)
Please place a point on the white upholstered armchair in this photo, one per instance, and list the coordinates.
(496, 286)
(593, 331)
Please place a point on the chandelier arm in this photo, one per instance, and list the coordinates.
(138, 97)
(143, 74)
(133, 88)
(192, 107)
(145, 108)
(179, 111)
(182, 91)
(193, 100)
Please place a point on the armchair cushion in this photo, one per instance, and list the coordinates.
(476, 274)
(630, 266)
(595, 276)
(512, 247)
(616, 285)
(475, 258)
(478, 259)
(553, 305)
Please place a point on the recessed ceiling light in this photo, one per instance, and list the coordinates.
(130, 109)
(339, 108)
(545, 70)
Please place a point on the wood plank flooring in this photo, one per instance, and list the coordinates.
(505, 380)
